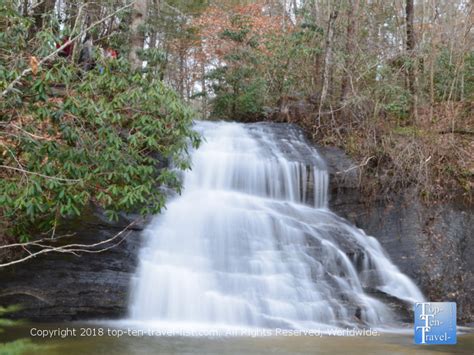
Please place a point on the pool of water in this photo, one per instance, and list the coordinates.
(88, 338)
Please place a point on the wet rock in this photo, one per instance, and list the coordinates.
(432, 244)
(402, 311)
(58, 287)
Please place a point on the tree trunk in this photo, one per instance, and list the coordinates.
(93, 14)
(181, 74)
(328, 57)
(71, 14)
(410, 47)
(352, 13)
(295, 11)
(410, 28)
(25, 8)
(204, 91)
(39, 14)
(137, 38)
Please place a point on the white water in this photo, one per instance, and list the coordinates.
(251, 243)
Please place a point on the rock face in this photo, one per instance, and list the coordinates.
(61, 287)
(433, 244)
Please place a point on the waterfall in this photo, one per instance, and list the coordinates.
(250, 242)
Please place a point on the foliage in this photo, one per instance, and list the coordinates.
(19, 346)
(392, 94)
(238, 39)
(385, 98)
(239, 93)
(289, 69)
(446, 69)
(70, 138)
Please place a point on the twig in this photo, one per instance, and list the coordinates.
(67, 43)
(175, 9)
(73, 248)
(36, 242)
(30, 134)
(36, 5)
(457, 131)
(38, 174)
(13, 155)
(356, 166)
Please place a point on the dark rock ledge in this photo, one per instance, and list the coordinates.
(62, 286)
(434, 245)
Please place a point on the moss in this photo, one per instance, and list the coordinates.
(406, 131)
(20, 346)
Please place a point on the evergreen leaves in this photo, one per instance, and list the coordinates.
(70, 138)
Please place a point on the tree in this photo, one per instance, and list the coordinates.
(40, 14)
(71, 138)
(411, 60)
(235, 44)
(137, 36)
(352, 29)
(328, 57)
(241, 59)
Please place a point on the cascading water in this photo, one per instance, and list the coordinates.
(251, 243)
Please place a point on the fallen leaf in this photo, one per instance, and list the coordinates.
(34, 64)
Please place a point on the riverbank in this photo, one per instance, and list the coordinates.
(388, 343)
(431, 242)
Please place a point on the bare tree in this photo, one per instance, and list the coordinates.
(410, 47)
(55, 245)
(137, 38)
(328, 58)
(352, 22)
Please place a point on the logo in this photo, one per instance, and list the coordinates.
(435, 323)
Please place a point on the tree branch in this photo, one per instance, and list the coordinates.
(38, 174)
(70, 248)
(356, 166)
(175, 9)
(67, 43)
(457, 131)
